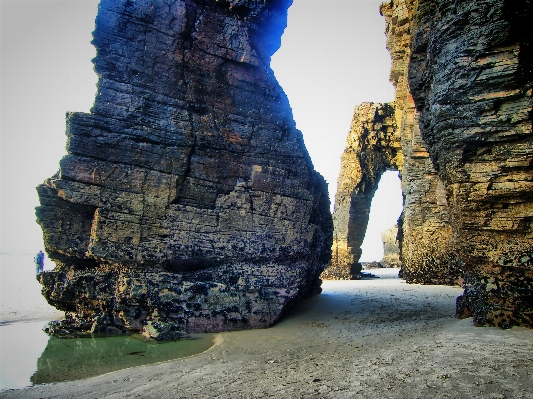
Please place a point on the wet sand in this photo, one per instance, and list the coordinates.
(376, 338)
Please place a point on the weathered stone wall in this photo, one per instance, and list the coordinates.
(471, 78)
(426, 246)
(187, 201)
(425, 232)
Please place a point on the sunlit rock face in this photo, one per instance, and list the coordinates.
(470, 75)
(187, 201)
(426, 236)
(387, 136)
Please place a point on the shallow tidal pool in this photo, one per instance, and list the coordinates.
(28, 356)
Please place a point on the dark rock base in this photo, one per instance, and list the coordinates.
(168, 306)
(501, 297)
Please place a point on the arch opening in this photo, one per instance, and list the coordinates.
(386, 208)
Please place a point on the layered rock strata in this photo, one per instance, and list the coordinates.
(386, 136)
(187, 201)
(463, 117)
(425, 233)
(426, 237)
(471, 78)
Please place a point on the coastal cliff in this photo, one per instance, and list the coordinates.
(425, 232)
(372, 147)
(463, 117)
(187, 201)
(471, 78)
(391, 248)
(427, 250)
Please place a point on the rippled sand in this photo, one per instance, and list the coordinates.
(374, 338)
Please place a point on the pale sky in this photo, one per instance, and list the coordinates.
(333, 57)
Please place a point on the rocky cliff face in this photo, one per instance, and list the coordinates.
(424, 226)
(187, 201)
(463, 72)
(471, 78)
(427, 247)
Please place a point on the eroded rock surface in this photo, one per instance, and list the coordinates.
(371, 148)
(426, 237)
(425, 233)
(187, 201)
(471, 78)
(463, 72)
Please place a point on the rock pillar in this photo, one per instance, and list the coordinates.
(372, 147)
(187, 201)
(471, 78)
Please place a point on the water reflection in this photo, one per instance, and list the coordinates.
(75, 358)
(21, 344)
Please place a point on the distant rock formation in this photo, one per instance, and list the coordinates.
(463, 72)
(187, 201)
(426, 248)
(426, 236)
(391, 248)
(382, 137)
(372, 147)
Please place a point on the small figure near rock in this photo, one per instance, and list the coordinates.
(39, 262)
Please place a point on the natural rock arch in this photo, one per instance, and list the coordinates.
(371, 148)
(377, 143)
(463, 116)
(183, 153)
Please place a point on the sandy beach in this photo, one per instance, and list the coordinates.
(374, 338)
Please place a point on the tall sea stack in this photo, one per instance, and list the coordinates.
(187, 201)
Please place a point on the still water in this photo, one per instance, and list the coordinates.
(28, 356)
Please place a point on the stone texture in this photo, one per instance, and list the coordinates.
(187, 201)
(391, 248)
(463, 132)
(371, 148)
(471, 78)
(426, 238)
(425, 233)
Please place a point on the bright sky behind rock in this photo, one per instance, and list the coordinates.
(332, 58)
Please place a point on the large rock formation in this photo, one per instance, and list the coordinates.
(187, 201)
(426, 237)
(463, 72)
(375, 144)
(372, 147)
(471, 78)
